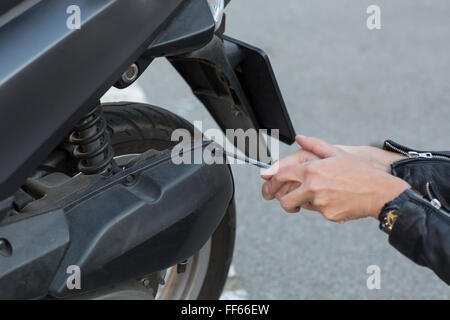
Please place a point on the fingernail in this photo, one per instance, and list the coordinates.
(266, 194)
(269, 172)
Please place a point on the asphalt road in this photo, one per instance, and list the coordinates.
(347, 85)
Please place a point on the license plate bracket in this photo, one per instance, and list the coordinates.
(237, 85)
(260, 85)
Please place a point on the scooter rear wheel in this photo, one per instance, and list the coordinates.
(136, 128)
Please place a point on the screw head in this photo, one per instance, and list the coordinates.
(181, 267)
(129, 180)
(5, 248)
(131, 74)
(146, 283)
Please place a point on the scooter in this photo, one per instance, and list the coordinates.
(91, 205)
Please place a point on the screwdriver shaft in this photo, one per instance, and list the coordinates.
(247, 159)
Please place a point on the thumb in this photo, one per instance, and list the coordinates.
(317, 146)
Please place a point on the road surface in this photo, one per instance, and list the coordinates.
(348, 85)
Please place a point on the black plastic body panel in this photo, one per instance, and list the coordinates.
(38, 244)
(164, 218)
(50, 76)
(193, 28)
(118, 231)
(6, 5)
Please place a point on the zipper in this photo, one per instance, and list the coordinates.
(433, 199)
(415, 154)
(423, 199)
(436, 198)
(432, 193)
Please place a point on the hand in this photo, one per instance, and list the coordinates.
(300, 156)
(338, 184)
(378, 158)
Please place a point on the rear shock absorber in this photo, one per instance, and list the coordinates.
(93, 144)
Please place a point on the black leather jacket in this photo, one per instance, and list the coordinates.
(422, 229)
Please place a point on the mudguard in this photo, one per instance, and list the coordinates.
(236, 83)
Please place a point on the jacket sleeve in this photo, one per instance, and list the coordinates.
(422, 233)
(422, 230)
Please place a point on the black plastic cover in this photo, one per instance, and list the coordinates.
(127, 232)
(6, 5)
(38, 244)
(50, 76)
(192, 29)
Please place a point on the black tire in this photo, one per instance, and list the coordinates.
(136, 128)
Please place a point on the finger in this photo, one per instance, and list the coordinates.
(317, 146)
(299, 156)
(293, 173)
(300, 197)
(294, 210)
(267, 174)
(265, 191)
(309, 206)
(286, 188)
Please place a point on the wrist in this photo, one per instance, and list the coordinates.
(389, 190)
(383, 159)
(378, 158)
(391, 157)
(392, 211)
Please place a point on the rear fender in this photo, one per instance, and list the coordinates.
(236, 83)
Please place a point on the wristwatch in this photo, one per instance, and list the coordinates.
(391, 211)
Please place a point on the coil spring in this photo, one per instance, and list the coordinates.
(93, 144)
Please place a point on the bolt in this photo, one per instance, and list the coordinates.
(131, 74)
(5, 248)
(129, 180)
(181, 267)
(146, 282)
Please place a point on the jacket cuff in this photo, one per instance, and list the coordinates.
(421, 232)
(407, 228)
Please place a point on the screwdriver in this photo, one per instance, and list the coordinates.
(246, 159)
(234, 155)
